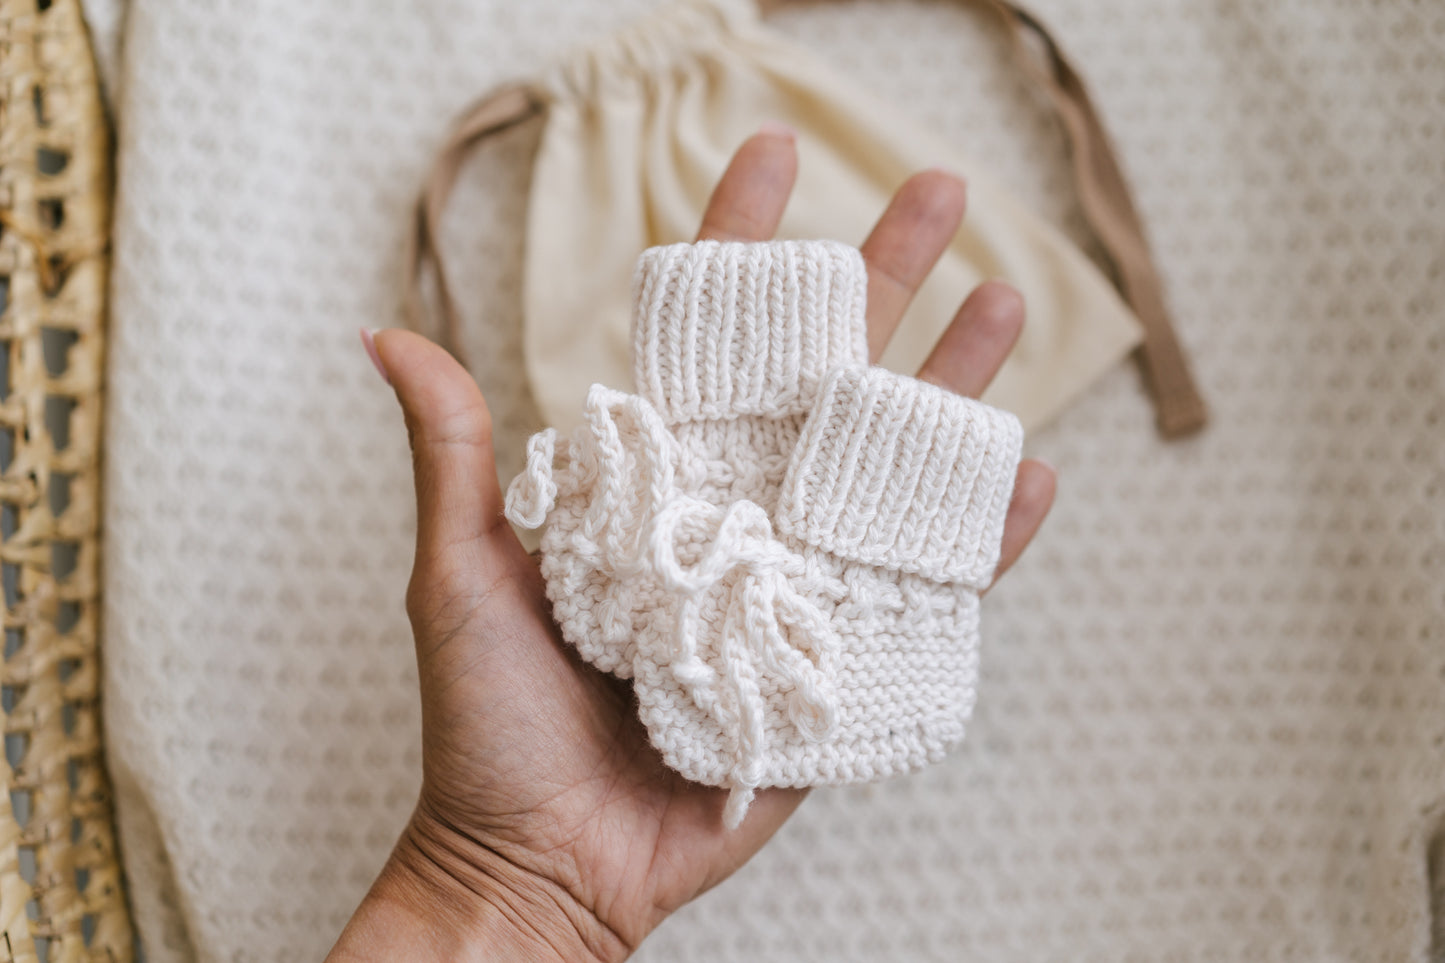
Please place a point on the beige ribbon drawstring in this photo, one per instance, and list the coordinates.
(493, 114)
(1103, 196)
(1109, 209)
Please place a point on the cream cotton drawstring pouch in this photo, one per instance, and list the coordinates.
(639, 127)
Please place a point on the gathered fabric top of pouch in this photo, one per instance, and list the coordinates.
(674, 34)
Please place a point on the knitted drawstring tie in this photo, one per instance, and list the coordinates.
(642, 528)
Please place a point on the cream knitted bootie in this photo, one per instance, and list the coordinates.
(840, 646)
(730, 343)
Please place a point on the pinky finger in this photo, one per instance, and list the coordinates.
(1032, 498)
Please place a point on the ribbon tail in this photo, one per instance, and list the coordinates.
(739, 799)
(739, 654)
(695, 676)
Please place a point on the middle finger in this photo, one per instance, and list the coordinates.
(907, 241)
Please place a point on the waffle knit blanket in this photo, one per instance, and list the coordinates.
(1211, 711)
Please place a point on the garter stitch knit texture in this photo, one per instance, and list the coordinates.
(839, 646)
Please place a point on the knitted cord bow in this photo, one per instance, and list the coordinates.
(718, 567)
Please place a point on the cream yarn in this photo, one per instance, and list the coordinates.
(730, 344)
(782, 546)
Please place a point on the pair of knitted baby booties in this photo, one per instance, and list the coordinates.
(781, 546)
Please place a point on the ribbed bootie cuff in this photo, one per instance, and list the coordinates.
(896, 472)
(727, 329)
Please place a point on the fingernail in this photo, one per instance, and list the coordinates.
(368, 341)
(774, 128)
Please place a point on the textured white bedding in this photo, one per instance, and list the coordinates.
(1212, 716)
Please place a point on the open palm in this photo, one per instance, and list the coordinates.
(547, 826)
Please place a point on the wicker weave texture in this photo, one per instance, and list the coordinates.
(60, 886)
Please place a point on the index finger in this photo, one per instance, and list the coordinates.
(749, 200)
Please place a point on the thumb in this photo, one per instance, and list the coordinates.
(458, 499)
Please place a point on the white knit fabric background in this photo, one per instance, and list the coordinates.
(1211, 722)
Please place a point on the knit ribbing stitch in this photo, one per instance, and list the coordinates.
(840, 646)
(893, 472)
(728, 329)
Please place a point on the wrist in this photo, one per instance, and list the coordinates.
(444, 898)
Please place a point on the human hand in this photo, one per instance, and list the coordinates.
(547, 826)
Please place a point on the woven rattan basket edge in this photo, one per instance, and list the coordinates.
(61, 893)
